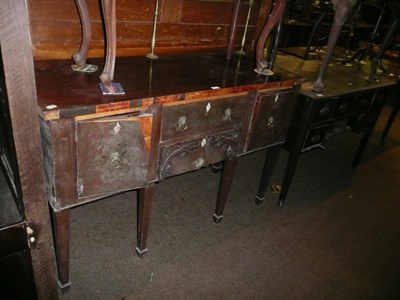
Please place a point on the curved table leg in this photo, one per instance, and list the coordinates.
(234, 24)
(80, 56)
(342, 9)
(109, 12)
(276, 15)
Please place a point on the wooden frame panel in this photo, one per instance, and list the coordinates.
(16, 50)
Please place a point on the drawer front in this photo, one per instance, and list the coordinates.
(196, 118)
(113, 154)
(272, 119)
(341, 107)
(352, 104)
(185, 157)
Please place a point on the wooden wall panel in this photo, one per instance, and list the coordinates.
(135, 10)
(171, 11)
(198, 12)
(190, 25)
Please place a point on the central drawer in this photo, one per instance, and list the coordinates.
(194, 118)
(179, 158)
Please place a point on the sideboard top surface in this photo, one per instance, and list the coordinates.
(178, 77)
(339, 79)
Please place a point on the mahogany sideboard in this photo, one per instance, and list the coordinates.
(178, 114)
(349, 102)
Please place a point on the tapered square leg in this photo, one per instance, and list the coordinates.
(270, 160)
(61, 225)
(145, 200)
(228, 172)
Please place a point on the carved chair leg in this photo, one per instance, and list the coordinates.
(109, 12)
(342, 11)
(81, 55)
(333, 37)
(234, 24)
(275, 16)
(61, 225)
(145, 200)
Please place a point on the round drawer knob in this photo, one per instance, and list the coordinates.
(227, 115)
(182, 124)
(343, 106)
(115, 161)
(316, 138)
(324, 111)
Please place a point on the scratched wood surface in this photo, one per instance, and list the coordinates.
(183, 26)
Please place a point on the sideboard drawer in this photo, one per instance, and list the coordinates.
(196, 118)
(272, 119)
(352, 104)
(341, 107)
(113, 154)
(185, 157)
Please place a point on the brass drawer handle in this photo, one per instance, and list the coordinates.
(182, 124)
(115, 162)
(227, 115)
